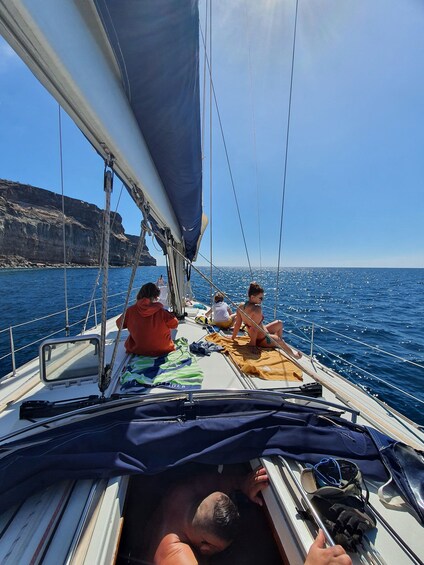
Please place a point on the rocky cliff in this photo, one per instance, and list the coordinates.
(31, 230)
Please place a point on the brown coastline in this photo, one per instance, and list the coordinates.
(31, 231)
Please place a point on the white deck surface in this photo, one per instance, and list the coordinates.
(76, 501)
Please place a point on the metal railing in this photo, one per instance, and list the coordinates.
(307, 335)
(79, 323)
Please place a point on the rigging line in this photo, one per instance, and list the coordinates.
(136, 263)
(96, 283)
(236, 306)
(117, 206)
(65, 278)
(285, 159)
(210, 147)
(330, 355)
(255, 158)
(108, 186)
(374, 347)
(227, 158)
(206, 259)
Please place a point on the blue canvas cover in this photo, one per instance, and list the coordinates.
(156, 45)
(406, 467)
(147, 439)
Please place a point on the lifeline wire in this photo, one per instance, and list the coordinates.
(255, 159)
(65, 279)
(227, 157)
(140, 245)
(210, 145)
(108, 183)
(252, 322)
(285, 160)
(100, 263)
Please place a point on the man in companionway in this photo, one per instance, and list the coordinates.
(198, 519)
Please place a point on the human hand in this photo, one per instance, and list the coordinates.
(318, 554)
(255, 482)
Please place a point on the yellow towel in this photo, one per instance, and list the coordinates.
(268, 364)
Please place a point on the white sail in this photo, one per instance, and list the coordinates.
(65, 46)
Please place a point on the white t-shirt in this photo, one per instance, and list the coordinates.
(163, 296)
(220, 312)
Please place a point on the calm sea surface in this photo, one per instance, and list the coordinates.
(383, 308)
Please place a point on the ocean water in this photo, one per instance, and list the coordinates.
(383, 308)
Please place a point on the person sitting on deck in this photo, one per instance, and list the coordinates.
(269, 335)
(149, 324)
(198, 519)
(222, 315)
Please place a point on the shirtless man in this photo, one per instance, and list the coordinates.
(198, 520)
(250, 312)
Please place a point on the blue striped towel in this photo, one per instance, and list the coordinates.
(177, 370)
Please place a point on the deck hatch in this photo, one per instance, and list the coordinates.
(69, 360)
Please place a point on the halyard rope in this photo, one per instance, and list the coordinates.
(65, 279)
(285, 162)
(140, 245)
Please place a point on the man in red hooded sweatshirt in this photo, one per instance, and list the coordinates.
(149, 324)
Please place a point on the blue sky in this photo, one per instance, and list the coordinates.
(355, 171)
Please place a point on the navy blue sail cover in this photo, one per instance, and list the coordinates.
(156, 45)
(149, 439)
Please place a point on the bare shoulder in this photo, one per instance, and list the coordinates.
(172, 551)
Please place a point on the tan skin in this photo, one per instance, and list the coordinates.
(320, 555)
(177, 538)
(226, 325)
(252, 312)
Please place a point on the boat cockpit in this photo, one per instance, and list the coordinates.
(256, 541)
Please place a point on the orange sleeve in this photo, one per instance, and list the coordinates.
(172, 551)
(118, 322)
(170, 320)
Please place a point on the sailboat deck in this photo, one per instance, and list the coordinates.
(96, 503)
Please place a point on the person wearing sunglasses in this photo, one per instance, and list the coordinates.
(261, 335)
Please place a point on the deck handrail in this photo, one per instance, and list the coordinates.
(310, 340)
(374, 347)
(13, 350)
(304, 338)
(391, 385)
(57, 313)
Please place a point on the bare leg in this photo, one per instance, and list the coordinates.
(281, 343)
(296, 354)
(275, 327)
